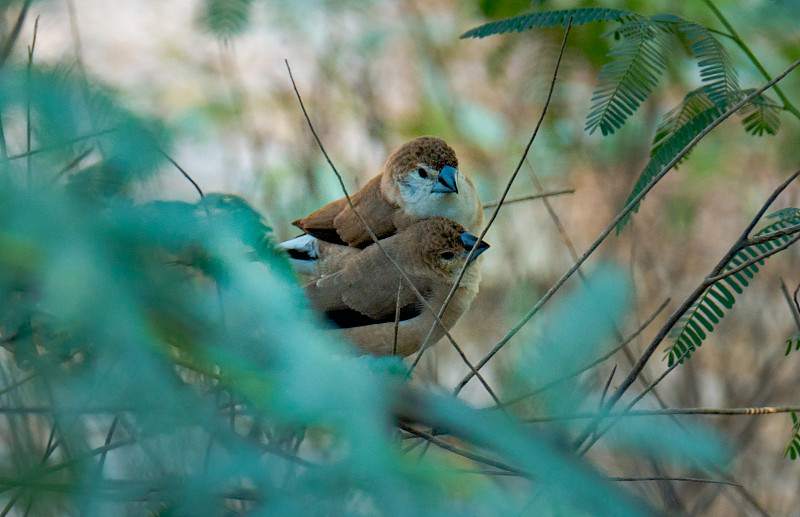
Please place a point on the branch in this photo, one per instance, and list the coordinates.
(532, 196)
(423, 301)
(461, 452)
(731, 272)
(12, 38)
(185, 174)
(788, 106)
(549, 294)
(501, 200)
(767, 410)
(742, 242)
(692, 480)
(593, 363)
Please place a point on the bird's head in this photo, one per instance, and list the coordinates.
(423, 170)
(442, 246)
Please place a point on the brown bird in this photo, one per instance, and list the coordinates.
(420, 180)
(361, 297)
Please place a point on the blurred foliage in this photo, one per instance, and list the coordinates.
(160, 358)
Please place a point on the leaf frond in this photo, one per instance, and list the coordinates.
(628, 78)
(714, 62)
(225, 18)
(701, 319)
(580, 16)
(761, 115)
(679, 127)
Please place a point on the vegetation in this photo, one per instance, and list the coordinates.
(159, 357)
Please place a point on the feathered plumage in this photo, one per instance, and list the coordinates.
(361, 296)
(419, 180)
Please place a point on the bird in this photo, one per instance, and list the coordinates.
(419, 180)
(365, 294)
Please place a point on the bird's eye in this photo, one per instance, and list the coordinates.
(422, 173)
(448, 255)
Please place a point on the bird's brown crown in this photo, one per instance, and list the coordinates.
(428, 150)
(437, 243)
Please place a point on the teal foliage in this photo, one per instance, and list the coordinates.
(578, 326)
(167, 350)
(701, 319)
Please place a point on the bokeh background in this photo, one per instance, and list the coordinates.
(374, 74)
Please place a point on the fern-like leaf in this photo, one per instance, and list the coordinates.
(761, 115)
(701, 318)
(225, 18)
(694, 104)
(629, 77)
(793, 447)
(679, 127)
(580, 16)
(716, 70)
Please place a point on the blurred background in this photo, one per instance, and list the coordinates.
(374, 74)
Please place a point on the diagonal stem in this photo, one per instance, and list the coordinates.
(625, 211)
(502, 198)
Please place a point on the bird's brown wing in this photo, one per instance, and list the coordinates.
(320, 223)
(336, 222)
(365, 292)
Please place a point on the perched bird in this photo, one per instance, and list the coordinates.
(363, 296)
(420, 180)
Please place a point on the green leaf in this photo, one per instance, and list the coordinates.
(760, 115)
(716, 70)
(628, 78)
(671, 138)
(706, 311)
(561, 18)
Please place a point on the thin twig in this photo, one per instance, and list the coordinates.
(792, 303)
(397, 318)
(375, 239)
(625, 211)
(742, 242)
(788, 106)
(185, 174)
(691, 480)
(540, 195)
(502, 197)
(72, 164)
(756, 260)
(767, 410)
(593, 363)
(461, 452)
(12, 38)
(60, 144)
(608, 383)
(28, 127)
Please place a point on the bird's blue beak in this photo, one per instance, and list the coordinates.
(447, 181)
(469, 240)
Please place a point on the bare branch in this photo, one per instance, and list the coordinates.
(625, 211)
(529, 197)
(501, 200)
(768, 410)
